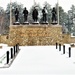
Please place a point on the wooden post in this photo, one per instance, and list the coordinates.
(11, 53)
(56, 45)
(63, 49)
(59, 47)
(69, 51)
(14, 50)
(7, 54)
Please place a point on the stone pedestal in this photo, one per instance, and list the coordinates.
(25, 23)
(32, 35)
(34, 23)
(44, 23)
(16, 23)
(53, 23)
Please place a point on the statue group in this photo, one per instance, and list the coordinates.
(35, 15)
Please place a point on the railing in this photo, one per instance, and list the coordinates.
(58, 46)
(8, 57)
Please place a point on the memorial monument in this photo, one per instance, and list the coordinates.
(35, 33)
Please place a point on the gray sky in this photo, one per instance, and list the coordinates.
(66, 4)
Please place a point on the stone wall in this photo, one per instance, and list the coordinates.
(0, 38)
(35, 35)
(66, 38)
(4, 39)
(72, 40)
(31, 35)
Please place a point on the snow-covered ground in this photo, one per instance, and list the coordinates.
(40, 60)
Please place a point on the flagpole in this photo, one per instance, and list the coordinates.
(58, 10)
(34, 3)
(10, 14)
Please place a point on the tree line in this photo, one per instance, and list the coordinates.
(66, 19)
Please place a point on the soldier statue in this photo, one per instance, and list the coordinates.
(44, 12)
(25, 12)
(54, 14)
(16, 15)
(35, 14)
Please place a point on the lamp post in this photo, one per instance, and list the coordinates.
(58, 11)
(10, 13)
(34, 3)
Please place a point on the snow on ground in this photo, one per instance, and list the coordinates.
(41, 60)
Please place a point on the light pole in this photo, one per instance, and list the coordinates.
(34, 3)
(10, 13)
(69, 26)
(58, 11)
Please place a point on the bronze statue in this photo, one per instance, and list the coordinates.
(44, 12)
(54, 14)
(25, 12)
(16, 15)
(35, 14)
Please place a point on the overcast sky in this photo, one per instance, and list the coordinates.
(66, 4)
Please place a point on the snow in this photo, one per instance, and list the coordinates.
(39, 60)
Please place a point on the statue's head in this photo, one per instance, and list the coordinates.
(16, 8)
(25, 8)
(53, 8)
(44, 7)
(34, 7)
